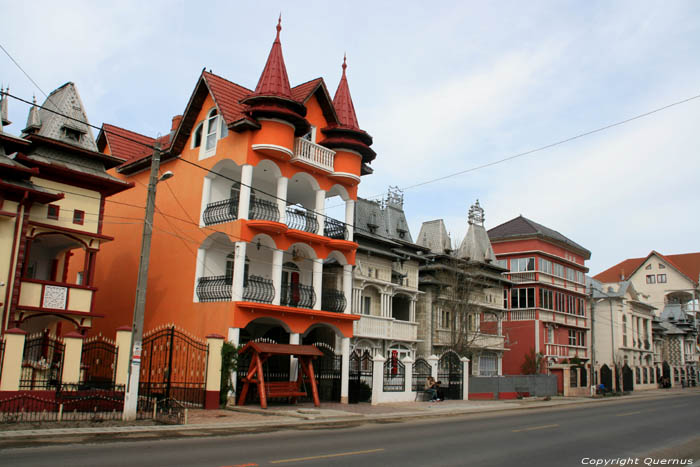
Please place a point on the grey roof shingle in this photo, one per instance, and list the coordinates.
(523, 227)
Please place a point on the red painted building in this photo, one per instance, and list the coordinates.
(546, 305)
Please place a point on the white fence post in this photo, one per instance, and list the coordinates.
(433, 360)
(377, 379)
(465, 378)
(408, 366)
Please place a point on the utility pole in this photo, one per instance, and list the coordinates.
(131, 394)
(593, 372)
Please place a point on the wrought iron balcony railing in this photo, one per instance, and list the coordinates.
(301, 219)
(335, 229)
(258, 289)
(221, 211)
(333, 300)
(214, 288)
(262, 209)
(298, 295)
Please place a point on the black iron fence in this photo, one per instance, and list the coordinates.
(42, 364)
(173, 366)
(333, 300)
(335, 229)
(258, 289)
(394, 375)
(262, 209)
(298, 295)
(221, 211)
(214, 288)
(360, 387)
(450, 375)
(301, 219)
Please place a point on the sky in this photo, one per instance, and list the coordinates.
(442, 87)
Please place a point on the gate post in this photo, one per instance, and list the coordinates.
(465, 378)
(213, 383)
(123, 342)
(344, 370)
(433, 360)
(72, 357)
(12, 360)
(408, 374)
(377, 378)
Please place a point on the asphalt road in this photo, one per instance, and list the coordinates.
(666, 428)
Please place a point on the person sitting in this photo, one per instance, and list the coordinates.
(431, 388)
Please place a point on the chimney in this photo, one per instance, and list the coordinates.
(622, 274)
(176, 123)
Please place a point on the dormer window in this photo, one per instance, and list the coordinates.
(71, 134)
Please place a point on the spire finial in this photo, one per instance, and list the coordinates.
(345, 65)
(279, 27)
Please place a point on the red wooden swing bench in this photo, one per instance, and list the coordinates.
(261, 351)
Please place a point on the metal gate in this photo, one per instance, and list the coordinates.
(42, 362)
(360, 384)
(173, 366)
(327, 370)
(98, 364)
(421, 371)
(627, 378)
(606, 377)
(450, 375)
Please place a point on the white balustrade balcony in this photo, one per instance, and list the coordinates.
(313, 154)
(385, 328)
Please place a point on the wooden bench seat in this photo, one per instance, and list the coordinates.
(283, 389)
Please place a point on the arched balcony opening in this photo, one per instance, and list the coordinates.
(263, 195)
(333, 295)
(297, 282)
(338, 205)
(214, 279)
(371, 301)
(221, 193)
(302, 203)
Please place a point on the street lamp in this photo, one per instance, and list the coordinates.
(131, 395)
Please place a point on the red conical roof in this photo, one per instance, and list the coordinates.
(343, 103)
(274, 80)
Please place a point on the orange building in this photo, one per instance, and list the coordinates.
(241, 243)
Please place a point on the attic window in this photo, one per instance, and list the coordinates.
(212, 124)
(72, 134)
(648, 267)
(661, 266)
(197, 138)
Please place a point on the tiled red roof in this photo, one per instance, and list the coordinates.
(687, 264)
(343, 103)
(274, 80)
(301, 92)
(227, 96)
(126, 144)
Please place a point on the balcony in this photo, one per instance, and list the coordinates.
(313, 155)
(566, 319)
(221, 211)
(519, 277)
(300, 218)
(262, 209)
(258, 289)
(568, 351)
(335, 229)
(214, 288)
(385, 328)
(42, 295)
(333, 300)
(297, 296)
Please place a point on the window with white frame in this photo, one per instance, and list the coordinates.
(550, 335)
(661, 278)
(522, 298)
(502, 263)
(559, 270)
(546, 299)
(651, 279)
(444, 319)
(505, 299)
(570, 274)
(545, 265)
(488, 364)
(522, 264)
(212, 130)
(572, 337)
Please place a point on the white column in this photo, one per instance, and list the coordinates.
(320, 209)
(344, 369)
(465, 378)
(238, 271)
(293, 361)
(234, 337)
(412, 310)
(206, 197)
(277, 256)
(317, 280)
(350, 217)
(199, 269)
(384, 305)
(282, 198)
(377, 379)
(246, 183)
(357, 301)
(500, 364)
(408, 381)
(347, 287)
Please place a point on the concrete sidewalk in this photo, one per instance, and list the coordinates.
(285, 416)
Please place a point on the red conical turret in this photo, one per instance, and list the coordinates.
(343, 102)
(273, 95)
(347, 133)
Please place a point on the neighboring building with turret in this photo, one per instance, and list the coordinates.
(462, 305)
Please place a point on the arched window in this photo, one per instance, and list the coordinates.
(624, 331)
(212, 129)
(197, 138)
